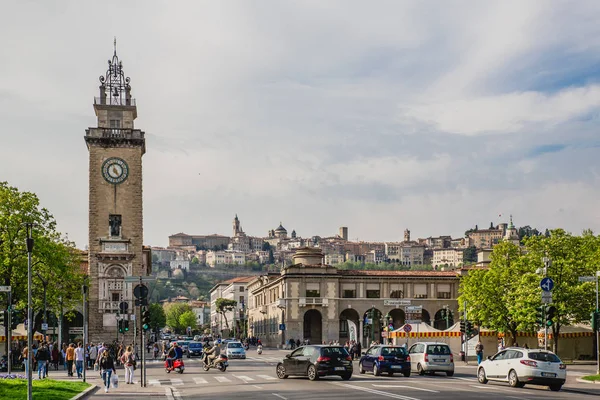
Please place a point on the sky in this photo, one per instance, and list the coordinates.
(375, 115)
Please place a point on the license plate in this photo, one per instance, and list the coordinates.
(439, 360)
(549, 374)
(396, 366)
(339, 369)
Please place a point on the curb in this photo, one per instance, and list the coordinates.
(584, 381)
(85, 393)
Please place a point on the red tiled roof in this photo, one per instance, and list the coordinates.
(240, 279)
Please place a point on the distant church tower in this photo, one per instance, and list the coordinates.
(115, 204)
(406, 235)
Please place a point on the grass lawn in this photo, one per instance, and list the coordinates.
(45, 389)
(591, 378)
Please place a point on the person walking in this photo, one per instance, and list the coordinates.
(107, 368)
(42, 357)
(93, 354)
(79, 359)
(479, 352)
(70, 359)
(55, 357)
(128, 360)
(24, 357)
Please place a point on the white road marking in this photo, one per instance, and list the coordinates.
(154, 382)
(466, 379)
(406, 387)
(266, 377)
(169, 394)
(244, 378)
(280, 396)
(222, 379)
(176, 393)
(199, 381)
(256, 386)
(373, 391)
(176, 382)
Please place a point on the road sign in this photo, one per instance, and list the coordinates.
(413, 314)
(396, 302)
(369, 321)
(282, 327)
(413, 321)
(123, 306)
(587, 279)
(546, 297)
(132, 317)
(407, 328)
(4, 288)
(44, 327)
(547, 284)
(140, 291)
(133, 279)
(413, 308)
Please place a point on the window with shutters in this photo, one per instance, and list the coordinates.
(443, 291)
(348, 291)
(373, 291)
(396, 291)
(420, 291)
(313, 290)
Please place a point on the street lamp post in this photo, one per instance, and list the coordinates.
(29, 227)
(281, 306)
(45, 315)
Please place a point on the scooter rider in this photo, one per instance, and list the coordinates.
(211, 353)
(172, 354)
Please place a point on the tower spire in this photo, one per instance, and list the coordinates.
(115, 46)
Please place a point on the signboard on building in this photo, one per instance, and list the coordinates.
(396, 302)
(413, 314)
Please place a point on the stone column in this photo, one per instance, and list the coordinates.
(360, 332)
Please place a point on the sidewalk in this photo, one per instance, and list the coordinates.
(93, 378)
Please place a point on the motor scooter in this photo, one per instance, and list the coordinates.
(178, 366)
(221, 363)
(259, 349)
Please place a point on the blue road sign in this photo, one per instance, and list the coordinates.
(282, 327)
(547, 284)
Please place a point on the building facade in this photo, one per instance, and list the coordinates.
(115, 203)
(447, 257)
(232, 322)
(316, 301)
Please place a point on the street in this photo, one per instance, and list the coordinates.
(254, 378)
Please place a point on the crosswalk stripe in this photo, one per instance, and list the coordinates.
(244, 378)
(267, 377)
(199, 381)
(154, 382)
(222, 379)
(176, 381)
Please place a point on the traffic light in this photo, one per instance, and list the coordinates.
(3, 318)
(595, 321)
(120, 326)
(550, 315)
(462, 326)
(469, 328)
(126, 325)
(145, 319)
(16, 318)
(540, 315)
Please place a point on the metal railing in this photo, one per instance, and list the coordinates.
(318, 301)
(114, 101)
(115, 133)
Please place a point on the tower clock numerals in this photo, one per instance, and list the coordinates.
(115, 170)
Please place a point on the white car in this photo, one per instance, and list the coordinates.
(235, 350)
(519, 366)
(431, 357)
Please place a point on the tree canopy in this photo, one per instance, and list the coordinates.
(158, 319)
(223, 305)
(173, 313)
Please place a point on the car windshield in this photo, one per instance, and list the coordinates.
(543, 356)
(234, 345)
(334, 351)
(438, 350)
(195, 345)
(393, 351)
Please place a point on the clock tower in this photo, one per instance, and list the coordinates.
(115, 206)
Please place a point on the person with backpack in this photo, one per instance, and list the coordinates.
(128, 360)
(479, 352)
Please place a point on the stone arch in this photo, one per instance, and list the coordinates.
(443, 319)
(372, 331)
(397, 317)
(348, 314)
(426, 317)
(115, 271)
(73, 321)
(313, 326)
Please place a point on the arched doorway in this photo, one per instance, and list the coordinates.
(425, 317)
(313, 326)
(348, 314)
(372, 327)
(73, 321)
(397, 317)
(443, 319)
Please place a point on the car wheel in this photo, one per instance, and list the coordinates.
(280, 370)
(376, 371)
(406, 373)
(360, 368)
(481, 376)
(555, 388)
(420, 369)
(346, 377)
(390, 374)
(449, 373)
(513, 379)
(312, 373)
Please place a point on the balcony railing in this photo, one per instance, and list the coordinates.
(317, 301)
(114, 101)
(115, 133)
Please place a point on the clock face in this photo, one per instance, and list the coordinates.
(115, 170)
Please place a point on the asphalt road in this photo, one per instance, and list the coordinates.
(254, 378)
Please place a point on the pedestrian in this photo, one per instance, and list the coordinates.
(128, 360)
(107, 367)
(24, 357)
(93, 355)
(63, 356)
(479, 352)
(79, 359)
(42, 358)
(156, 350)
(55, 357)
(70, 359)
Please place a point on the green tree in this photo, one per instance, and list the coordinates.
(223, 306)
(271, 257)
(470, 255)
(173, 311)
(195, 260)
(188, 318)
(158, 319)
(266, 246)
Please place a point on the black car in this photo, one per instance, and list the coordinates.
(194, 349)
(383, 358)
(315, 362)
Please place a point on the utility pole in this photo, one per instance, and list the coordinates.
(29, 227)
(85, 327)
(466, 336)
(598, 331)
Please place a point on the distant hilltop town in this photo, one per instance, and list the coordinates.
(278, 248)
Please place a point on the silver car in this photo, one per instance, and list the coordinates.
(235, 350)
(431, 357)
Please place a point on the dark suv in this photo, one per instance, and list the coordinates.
(388, 359)
(194, 349)
(316, 361)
